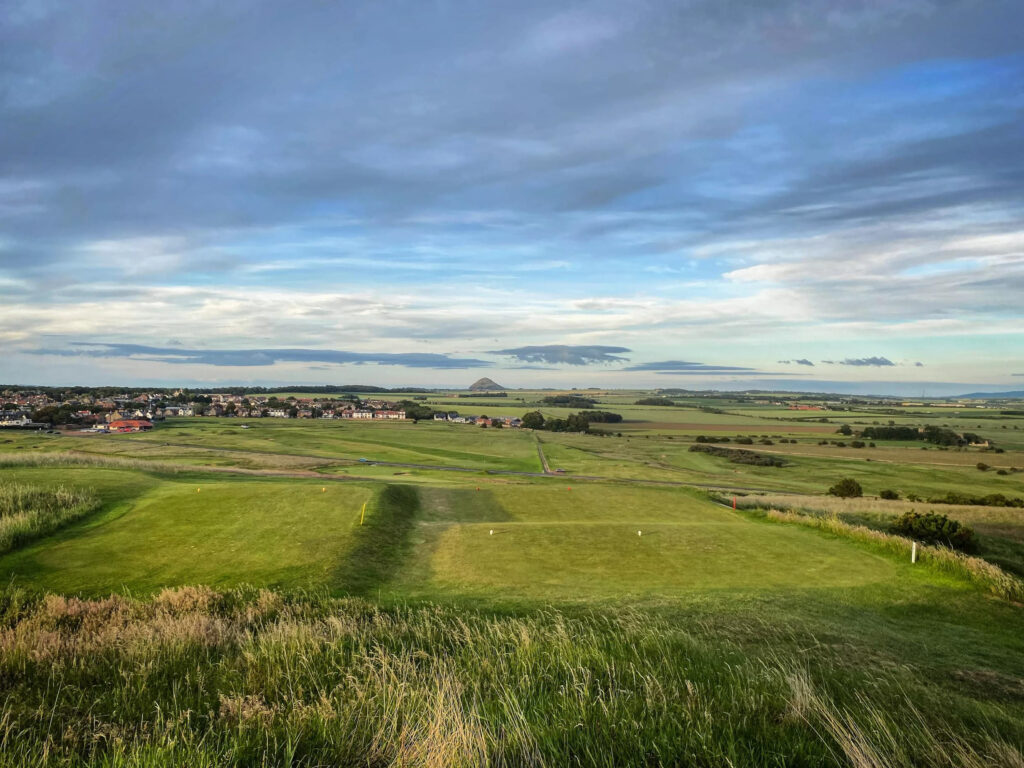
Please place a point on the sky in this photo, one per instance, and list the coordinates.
(780, 194)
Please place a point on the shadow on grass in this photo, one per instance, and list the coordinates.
(381, 543)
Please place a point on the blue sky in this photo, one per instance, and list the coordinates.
(784, 194)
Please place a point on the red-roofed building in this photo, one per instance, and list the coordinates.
(131, 425)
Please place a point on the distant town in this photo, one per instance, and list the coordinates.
(131, 412)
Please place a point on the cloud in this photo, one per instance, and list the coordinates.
(262, 357)
(564, 354)
(682, 366)
(878, 362)
(801, 361)
(261, 193)
(685, 368)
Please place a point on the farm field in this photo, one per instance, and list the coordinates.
(483, 609)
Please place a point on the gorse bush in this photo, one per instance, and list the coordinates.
(932, 528)
(28, 512)
(739, 455)
(991, 500)
(847, 488)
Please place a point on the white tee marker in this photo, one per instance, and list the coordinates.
(492, 531)
(913, 553)
(639, 533)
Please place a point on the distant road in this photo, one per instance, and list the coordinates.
(543, 458)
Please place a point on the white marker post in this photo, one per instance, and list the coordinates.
(639, 533)
(492, 531)
(913, 553)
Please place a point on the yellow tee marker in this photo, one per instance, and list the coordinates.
(197, 490)
(362, 515)
(323, 490)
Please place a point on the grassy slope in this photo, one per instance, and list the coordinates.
(277, 533)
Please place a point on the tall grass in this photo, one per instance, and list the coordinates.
(68, 458)
(195, 677)
(29, 512)
(859, 506)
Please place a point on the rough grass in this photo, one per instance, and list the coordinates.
(198, 677)
(29, 512)
(67, 458)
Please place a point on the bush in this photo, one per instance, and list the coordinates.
(983, 467)
(739, 456)
(931, 528)
(847, 488)
(889, 495)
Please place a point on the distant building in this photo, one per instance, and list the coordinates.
(131, 425)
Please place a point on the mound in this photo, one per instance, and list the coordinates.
(485, 385)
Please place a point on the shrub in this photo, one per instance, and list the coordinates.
(739, 456)
(982, 466)
(847, 488)
(932, 528)
(889, 495)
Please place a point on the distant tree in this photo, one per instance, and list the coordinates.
(533, 420)
(847, 488)
(845, 430)
(293, 412)
(416, 411)
(654, 401)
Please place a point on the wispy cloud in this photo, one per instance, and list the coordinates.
(679, 366)
(862, 362)
(261, 357)
(564, 354)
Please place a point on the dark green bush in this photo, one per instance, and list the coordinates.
(847, 488)
(931, 528)
(889, 494)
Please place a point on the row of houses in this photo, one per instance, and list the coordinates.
(282, 413)
(488, 421)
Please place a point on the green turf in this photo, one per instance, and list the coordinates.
(273, 533)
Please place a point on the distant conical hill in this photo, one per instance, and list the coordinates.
(485, 385)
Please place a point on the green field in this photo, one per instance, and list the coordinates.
(487, 613)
